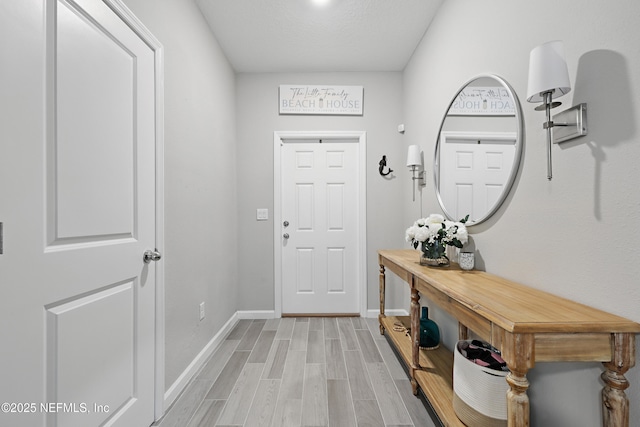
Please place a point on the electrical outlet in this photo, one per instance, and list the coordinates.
(202, 310)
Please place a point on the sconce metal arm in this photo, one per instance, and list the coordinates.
(548, 125)
(418, 175)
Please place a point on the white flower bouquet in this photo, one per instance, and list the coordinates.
(434, 234)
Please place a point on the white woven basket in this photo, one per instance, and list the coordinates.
(479, 393)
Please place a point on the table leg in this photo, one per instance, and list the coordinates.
(615, 404)
(518, 351)
(463, 332)
(382, 296)
(415, 337)
(517, 399)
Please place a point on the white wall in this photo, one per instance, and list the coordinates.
(577, 235)
(200, 213)
(257, 103)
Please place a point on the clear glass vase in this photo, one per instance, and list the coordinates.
(434, 262)
(434, 254)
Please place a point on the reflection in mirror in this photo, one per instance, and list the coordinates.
(478, 149)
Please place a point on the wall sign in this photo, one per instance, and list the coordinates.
(490, 101)
(317, 99)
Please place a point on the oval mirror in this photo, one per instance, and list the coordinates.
(478, 149)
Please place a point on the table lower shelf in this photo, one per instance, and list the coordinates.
(435, 376)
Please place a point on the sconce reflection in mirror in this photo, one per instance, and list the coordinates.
(414, 161)
(382, 165)
(549, 79)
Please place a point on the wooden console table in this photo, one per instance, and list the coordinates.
(526, 324)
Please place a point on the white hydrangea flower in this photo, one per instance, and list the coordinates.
(422, 234)
(410, 234)
(462, 234)
(435, 219)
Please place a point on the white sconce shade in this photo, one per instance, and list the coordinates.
(413, 156)
(548, 72)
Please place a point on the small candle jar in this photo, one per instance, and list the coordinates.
(466, 260)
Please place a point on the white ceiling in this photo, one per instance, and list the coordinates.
(300, 36)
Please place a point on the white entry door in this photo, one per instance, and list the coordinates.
(474, 168)
(78, 209)
(320, 226)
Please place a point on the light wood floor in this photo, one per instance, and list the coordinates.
(300, 372)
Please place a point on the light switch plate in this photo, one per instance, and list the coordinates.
(262, 214)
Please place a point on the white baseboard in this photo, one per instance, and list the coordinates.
(270, 314)
(387, 312)
(256, 314)
(183, 380)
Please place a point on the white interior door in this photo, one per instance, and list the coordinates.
(78, 302)
(319, 243)
(474, 168)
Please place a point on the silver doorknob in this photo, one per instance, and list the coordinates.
(285, 235)
(150, 255)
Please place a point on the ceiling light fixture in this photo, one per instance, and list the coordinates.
(320, 3)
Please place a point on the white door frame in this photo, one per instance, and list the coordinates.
(361, 136)
(154, 44)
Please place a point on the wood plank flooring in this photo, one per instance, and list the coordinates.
(300, 372)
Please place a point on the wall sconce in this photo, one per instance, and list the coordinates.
(414, 161)
(549, 79)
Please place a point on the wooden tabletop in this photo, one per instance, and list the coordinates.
(511, 306)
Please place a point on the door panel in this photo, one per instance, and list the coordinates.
(75, 365)
(335, 207)
(79, 216)
(92, 139)
(305, 206)
(305, 270)
(320, 201)
(336, 270)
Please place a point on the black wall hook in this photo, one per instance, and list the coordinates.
(382, 164)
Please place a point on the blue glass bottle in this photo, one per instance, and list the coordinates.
(429, 331)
